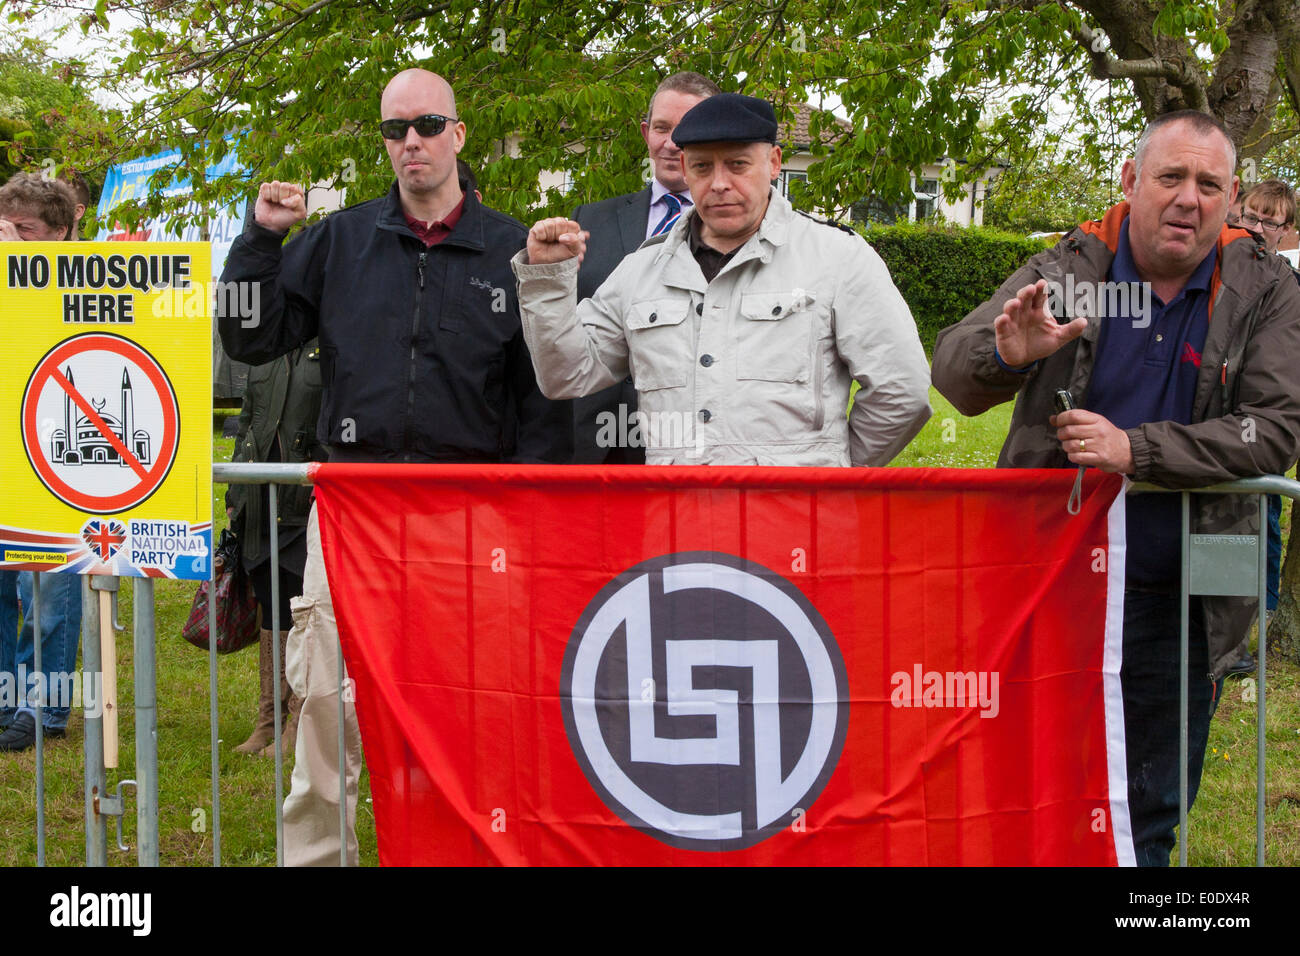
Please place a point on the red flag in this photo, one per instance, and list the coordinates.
(715, 666)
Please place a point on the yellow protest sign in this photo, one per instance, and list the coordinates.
(106, 413)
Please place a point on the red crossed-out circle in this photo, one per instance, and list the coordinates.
(47, 373)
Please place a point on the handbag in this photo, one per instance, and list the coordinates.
(238, 613)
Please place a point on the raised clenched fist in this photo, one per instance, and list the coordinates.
(554, 240)
(280, 206)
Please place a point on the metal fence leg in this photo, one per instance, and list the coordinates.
(40, 716)
(96, 778)
(277, 677)
(1182, 682)
(146, 725)
(1259, 691)
(215, 768)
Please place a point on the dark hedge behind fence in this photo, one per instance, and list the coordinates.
(943, 273)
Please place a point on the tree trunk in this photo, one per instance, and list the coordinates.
(1241, 87)
(1284, 629)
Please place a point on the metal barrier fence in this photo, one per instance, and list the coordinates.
(1212, 564)
(1226, 566)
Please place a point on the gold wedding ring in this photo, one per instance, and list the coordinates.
(1082, 445)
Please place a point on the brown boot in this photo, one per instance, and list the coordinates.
(290, 704)
(265, 727)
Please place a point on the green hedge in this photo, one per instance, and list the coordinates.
(944, 272)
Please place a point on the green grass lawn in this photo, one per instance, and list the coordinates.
(1222, 823)
(951, 440)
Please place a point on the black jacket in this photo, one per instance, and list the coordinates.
(422, 352)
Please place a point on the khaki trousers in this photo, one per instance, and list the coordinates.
(311, 810)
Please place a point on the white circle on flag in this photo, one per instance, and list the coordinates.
(705, 699)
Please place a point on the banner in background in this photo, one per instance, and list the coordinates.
(217, 227)
(130, 180)
(723, 666)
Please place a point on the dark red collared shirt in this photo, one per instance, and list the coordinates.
(432, 233)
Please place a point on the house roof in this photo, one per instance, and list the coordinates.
(797, 134)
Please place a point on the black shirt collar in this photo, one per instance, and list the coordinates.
(710, 260)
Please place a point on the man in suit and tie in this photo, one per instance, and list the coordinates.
(618, 226)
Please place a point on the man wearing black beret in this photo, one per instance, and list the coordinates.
(743, 327)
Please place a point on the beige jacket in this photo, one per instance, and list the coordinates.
(753, 368)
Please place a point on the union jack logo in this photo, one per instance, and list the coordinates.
(104, 537)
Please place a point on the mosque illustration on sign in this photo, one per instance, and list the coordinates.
(89, 445)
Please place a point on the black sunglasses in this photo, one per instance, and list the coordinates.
(431, 124)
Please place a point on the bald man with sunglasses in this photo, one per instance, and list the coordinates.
(422, 360)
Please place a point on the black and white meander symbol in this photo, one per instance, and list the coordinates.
(706, 700)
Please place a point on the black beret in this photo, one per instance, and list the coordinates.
(727, 118)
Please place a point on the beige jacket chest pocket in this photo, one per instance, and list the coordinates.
(660, 343)
(775, 336)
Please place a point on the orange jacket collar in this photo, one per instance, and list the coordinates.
(1107, 229)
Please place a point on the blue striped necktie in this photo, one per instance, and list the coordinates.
(670, 217)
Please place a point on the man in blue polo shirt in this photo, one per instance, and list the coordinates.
(1175, 338)
(1145, 371)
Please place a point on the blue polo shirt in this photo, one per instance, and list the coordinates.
(1147, 373)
